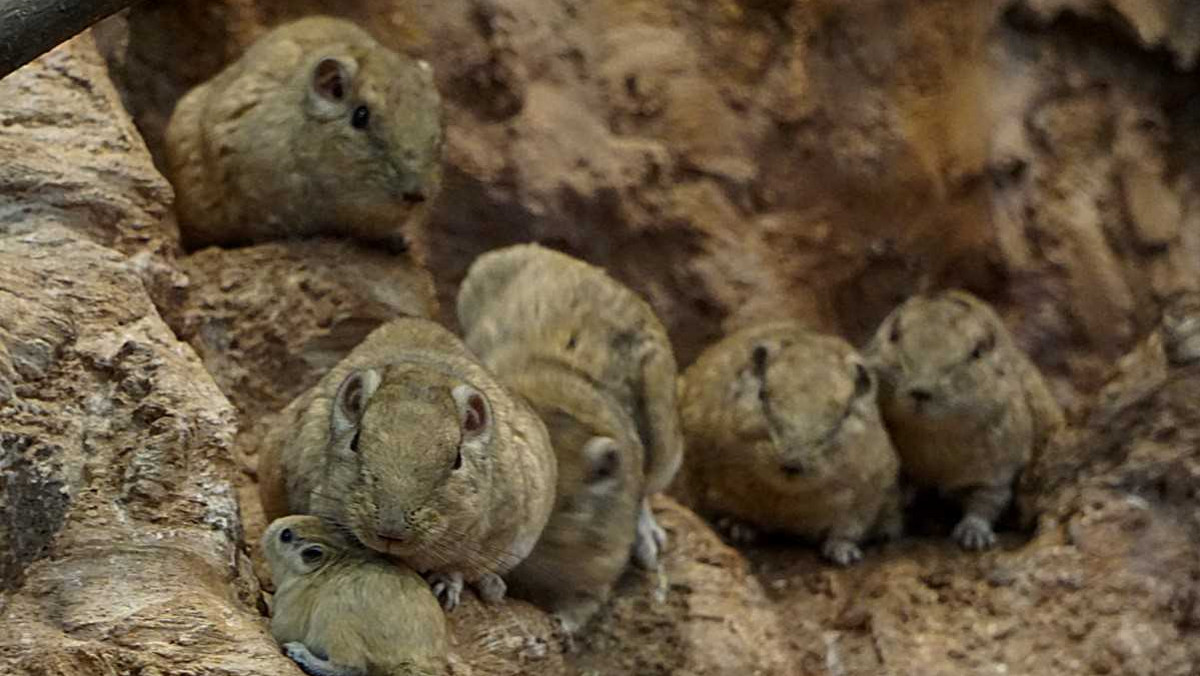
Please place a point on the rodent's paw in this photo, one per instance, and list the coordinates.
(736, 532)
(491, 588)
(651, 539)
(566, 628)
(314, 665)
(447, 587)
(841, 552)
(974, 533)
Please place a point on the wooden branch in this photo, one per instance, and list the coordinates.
(30, 28)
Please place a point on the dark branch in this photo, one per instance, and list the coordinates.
(30, 28)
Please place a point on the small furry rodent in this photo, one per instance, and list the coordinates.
(784, 434)
(341, 610)
(411, 446)
(965, 407)
(526, 308)
(316, 129)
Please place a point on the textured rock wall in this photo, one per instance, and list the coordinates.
(120, 538)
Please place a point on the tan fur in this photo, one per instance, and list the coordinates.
(254, 154)
(986, 409)
(360, 612)
(479, 520)
(527, 306)
(784, 434)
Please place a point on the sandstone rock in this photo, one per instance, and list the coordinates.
(269, 320)
(119, 530)
(120, 539)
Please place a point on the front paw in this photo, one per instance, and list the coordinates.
(974, 533)
(651, 539)
(736, 532)
(447, 587)
(491, 588)
(841, 552)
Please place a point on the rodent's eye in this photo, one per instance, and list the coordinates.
(458, 460)
(984, 346)
(895, 335)
(285, 535)
(354, 440)
(360, 117)
(311, 555)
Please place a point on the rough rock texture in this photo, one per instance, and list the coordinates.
(120, 540)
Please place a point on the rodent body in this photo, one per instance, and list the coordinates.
(341, 610)
(965, 407)
(316, 129)
(411, 445)
(784, 433)
(595, 362)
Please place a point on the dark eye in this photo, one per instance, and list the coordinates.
(895, 337)
(285, 535)
(311, 555)
(360, 118)
(354, 440)
(458, 460)
(983, 346)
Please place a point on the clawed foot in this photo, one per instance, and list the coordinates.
(314, 665)
(651, 539)
(566, 629)
(491, 588)
(974, 533)
(841, 552)
(737, 532)
(447, 587)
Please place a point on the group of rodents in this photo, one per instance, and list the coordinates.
(522, 456)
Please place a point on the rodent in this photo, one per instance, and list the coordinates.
(411, 445)
(316, 129)
(342, 610)
(784, 434)
(965, 407)
(530, 307)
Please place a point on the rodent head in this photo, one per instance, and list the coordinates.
(299, 545)
(817, 399)
(372, 136)
(409, 462)
(940, 355)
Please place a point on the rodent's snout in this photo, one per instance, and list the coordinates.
(920, 395)
(394, 527)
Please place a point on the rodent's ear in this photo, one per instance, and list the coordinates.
(352, 396)
(474, 413)
(329, 86)
(603, 458)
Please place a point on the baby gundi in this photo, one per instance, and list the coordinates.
(411, 446)
(341, 610)
(594, 361)
(965, 407)
(316, 129)
(784, 434)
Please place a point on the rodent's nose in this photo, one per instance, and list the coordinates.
(414, 197)
(920, 395)
(794, 469)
